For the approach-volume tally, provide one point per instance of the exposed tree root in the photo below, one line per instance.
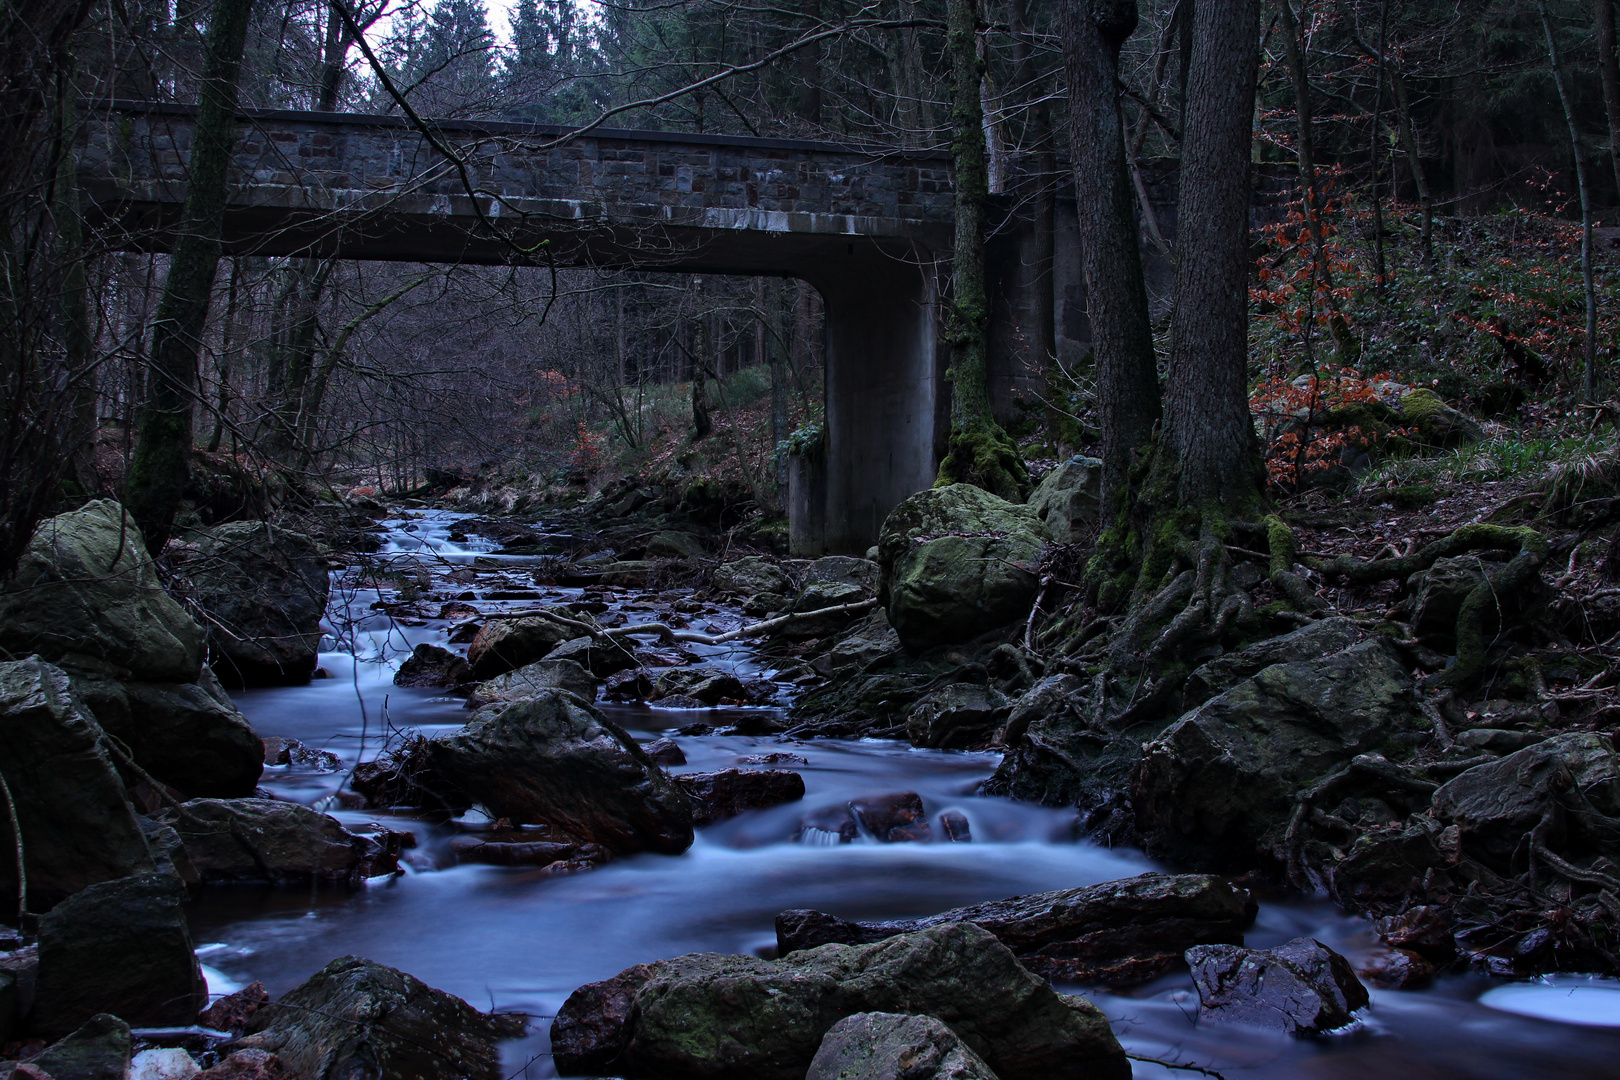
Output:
(666, 632)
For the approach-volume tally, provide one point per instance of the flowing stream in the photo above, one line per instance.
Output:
(519, 940)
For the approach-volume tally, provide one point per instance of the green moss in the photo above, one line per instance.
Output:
(1412, 496)
(985, 457)
(1422, 404)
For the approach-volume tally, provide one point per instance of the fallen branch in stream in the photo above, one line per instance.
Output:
(1185, 1067)
(666, 632)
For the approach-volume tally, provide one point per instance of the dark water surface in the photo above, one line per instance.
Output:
(518, 940)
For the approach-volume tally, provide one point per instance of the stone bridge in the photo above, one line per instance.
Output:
(868, 229)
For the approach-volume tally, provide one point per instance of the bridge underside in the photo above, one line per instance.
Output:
(883, 360)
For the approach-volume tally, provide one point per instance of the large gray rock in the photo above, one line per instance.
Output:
(1066, 499)
(531, 679)
(355, 1018)
(78, 826)
(190, 736)
(956, 716)
(273, 842)
(1438, 592)
(264, 589)
(1116, 932)
(86, 587)
(894, 1046)
(750, 576)
(719, 796)
(1053, 756)
(504, 645)
(1217, 787)
(600, 658)
(1497, 805)
(1307, 643)
(869, 640)
(957, 562)
(554, 760)
(1303, 987)
(722, 1017)
(844, 570)
(119, 947)
(100, 1050)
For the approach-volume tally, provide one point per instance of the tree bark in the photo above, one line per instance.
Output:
(810, 66)
(1210, 431)
(1609, 71)
(1041, 182)
(162, 465)
(979, 453)
(1093, 33)
(1589, 350)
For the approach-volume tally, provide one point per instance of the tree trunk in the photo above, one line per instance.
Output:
(1409, 147)
(78, 339)
(1210, 431)
(810, 66)
(1609, 70)
(1116, 294)
(1310, 189)
(1589, 351)
(979, 452)
(1041, 182)
(227, 340)
(161, 465)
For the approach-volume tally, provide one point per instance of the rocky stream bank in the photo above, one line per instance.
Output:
(631, 687)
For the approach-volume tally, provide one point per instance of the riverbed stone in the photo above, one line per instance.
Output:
(710, 1015)
(434, 667)
(356, 1018)
(119, 947)
(1054, 756)
(751, 575)
(670, 544)
(844, 570)
(100, 1050)
(957, 716)
(264, 589)
(1217, 788)
(602, 658)
(1065, 500)
(1309, 642)
(825, 598)
(504, 645)
(190, 736)
(1498, 804)
(895, 1046)
(1302, 988)
(719, 796)
(77, 823)
(85, 586)
(957, 562)
(866, 642)
(1116, 932)
(530, 679)
(275, 843)
(552, 759)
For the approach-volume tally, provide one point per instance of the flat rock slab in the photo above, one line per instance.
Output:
(719, 796)
(1117, 932)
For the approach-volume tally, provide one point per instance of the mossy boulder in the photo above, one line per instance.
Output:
(270, 842)
(1066, 499)
(881, 1046)
(742, 1018)
(85, 587)
(751, 576)
(504, 645)
(1437, 423)
(958, 716)
(1216, 790)
(531, 679)
(357, 1018)
(957, 562)
(844, 570)
(264, 589)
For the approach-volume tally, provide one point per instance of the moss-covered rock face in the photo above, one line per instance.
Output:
(1066, 500)
(1217, 788)
(1437, 423)
(956, 716)
(877, 1046)
(715, 1016)
(751, 576)
(86, 587)
(957, 561)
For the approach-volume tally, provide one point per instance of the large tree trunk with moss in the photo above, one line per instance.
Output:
(1211, 433)
(979, 452)
(1116, 294)
(162, 461)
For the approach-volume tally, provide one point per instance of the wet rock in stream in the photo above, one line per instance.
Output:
(552, 759)
(433, 667)
(100, 1050)
(530, 679)
(357, 1018)
(1302, 988)
(718, 796)
(1118, 932)
(503, 645)
(276, 843)
(742, 1018)
(665, 752)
